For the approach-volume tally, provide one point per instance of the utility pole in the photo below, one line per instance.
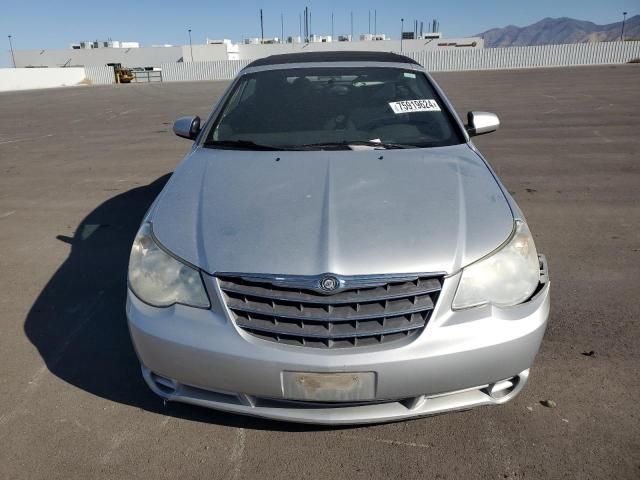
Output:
(190, 46)
(624, 18)
(401, 32)
(261, 28)
(13, 58)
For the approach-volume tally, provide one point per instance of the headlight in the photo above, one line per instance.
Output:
(507, 277)
(161, 280)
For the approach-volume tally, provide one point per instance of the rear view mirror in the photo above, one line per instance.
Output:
(187, 127)
(480, 123)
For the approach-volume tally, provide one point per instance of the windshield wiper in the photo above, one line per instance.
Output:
(347, 143)
(241, 145)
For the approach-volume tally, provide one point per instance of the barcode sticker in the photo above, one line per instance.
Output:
(408, 106)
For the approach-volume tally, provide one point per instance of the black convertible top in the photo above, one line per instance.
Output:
(342, 56)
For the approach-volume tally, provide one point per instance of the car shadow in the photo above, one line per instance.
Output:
(78, 321)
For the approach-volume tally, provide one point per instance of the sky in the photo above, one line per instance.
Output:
(49, 24)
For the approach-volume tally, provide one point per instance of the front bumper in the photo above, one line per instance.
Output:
(461, 360)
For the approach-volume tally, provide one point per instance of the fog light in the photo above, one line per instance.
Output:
(165, 385)
(502, 388)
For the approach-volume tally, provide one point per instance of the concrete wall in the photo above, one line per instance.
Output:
(99, 57)
(205, 53)
(30, 78)
(249, 52)
(155, 56)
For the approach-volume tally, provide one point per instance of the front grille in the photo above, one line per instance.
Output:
(389, 310)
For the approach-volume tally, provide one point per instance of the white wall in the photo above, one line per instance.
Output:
(205, 53)
(29, 78)
(99, 57)
(155, 56)
(250, 52)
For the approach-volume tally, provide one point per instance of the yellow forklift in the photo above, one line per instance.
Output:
(123, 75)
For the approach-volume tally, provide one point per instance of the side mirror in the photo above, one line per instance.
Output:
(479, 123)
(187, 127)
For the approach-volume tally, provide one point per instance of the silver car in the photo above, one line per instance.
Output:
(334, 249)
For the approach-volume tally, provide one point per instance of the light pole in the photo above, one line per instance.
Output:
(624, 18)
(401, 32)
(306, 24)
(190, 46)
(13, 58)
(332, 35)
(352, 26)
(375, 22)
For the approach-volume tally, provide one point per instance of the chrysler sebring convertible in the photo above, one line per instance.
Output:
(334, 249)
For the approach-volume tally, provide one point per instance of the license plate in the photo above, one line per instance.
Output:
(420, 105)
(329, 387)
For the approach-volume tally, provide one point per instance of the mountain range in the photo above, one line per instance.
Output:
(558, 31)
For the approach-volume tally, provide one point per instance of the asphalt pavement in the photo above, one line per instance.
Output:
(80, 166)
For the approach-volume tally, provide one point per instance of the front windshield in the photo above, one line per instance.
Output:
(333, 107)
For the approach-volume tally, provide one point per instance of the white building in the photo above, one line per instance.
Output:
(320, 39)
(130, 54)
(261, 41)
(232, 48)
(370, 37)
(104, 44)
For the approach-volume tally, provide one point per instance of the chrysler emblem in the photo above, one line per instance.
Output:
(329, 283)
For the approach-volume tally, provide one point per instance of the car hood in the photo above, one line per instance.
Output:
(345, 212)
